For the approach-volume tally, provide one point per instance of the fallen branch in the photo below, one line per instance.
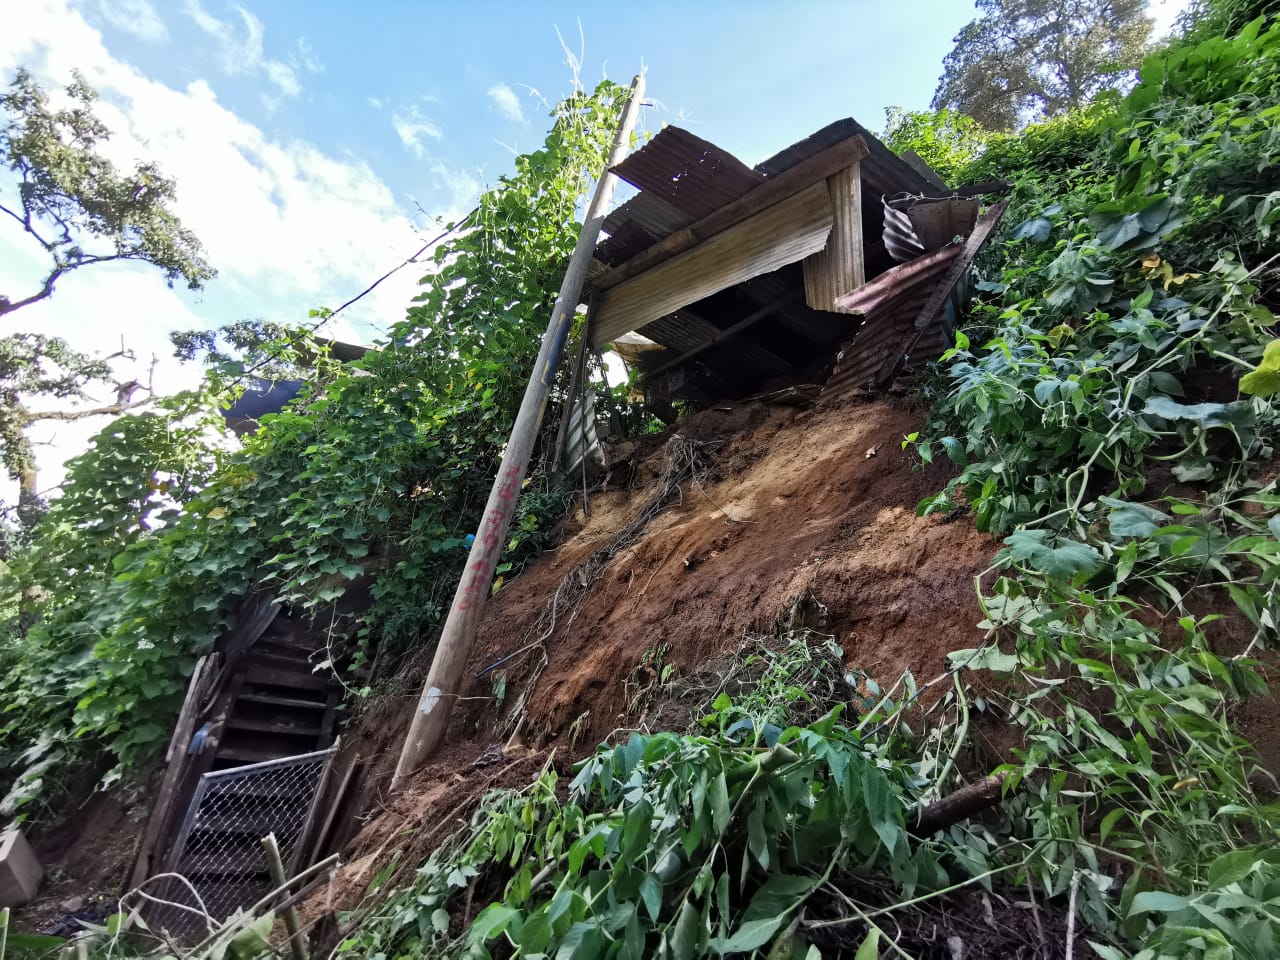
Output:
(959, 806)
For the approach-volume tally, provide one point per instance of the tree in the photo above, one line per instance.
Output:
(74, 202)
(32, 364)
(81, 210)
(1023, 60)
(945, 139)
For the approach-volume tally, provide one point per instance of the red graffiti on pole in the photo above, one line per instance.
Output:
(490, 541)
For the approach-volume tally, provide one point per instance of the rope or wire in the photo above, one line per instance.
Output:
(306, 331)
(413, 259)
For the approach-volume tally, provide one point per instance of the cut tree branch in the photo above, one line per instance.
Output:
(959, 806)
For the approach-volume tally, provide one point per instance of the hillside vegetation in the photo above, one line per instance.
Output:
(1109, 408)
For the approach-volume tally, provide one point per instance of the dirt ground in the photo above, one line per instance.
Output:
(812, 523)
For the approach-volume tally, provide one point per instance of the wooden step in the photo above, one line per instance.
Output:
(254, 789)
(276, 700)
(291, 726)
(285, 651)
(236, 862)
(245, 754)
(277, 677)
(256, 824)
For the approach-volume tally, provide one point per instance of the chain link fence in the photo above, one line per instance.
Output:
(218, 849)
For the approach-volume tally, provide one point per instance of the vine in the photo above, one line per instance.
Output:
(378, 468)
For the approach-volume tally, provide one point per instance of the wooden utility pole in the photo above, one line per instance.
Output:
(444, 681)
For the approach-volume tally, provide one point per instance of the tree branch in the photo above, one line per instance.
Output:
(25, 223)
(54, 276)
(67, 415)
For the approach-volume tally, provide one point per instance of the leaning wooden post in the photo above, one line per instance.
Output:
(275, 866)
(444, 681)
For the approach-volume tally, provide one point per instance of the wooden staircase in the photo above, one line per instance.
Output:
(270, 706)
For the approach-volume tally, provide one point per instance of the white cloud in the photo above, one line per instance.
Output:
(240, 49)
(307, 57)
(375, 103)
(288, 226)
(414, 129)
(506, 102)
(137, 17)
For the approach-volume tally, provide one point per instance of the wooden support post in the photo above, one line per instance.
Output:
(275, 867)
(959, 806)
(175, 760)
(445, 679)
(841, 267)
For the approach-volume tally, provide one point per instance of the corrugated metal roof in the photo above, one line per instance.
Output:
(654, 214)
(914, 227)
(691, 174)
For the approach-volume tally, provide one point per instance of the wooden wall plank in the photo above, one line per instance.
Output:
(841, 267)
(776, 236)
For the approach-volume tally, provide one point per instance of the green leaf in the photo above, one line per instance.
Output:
(719, 797)
(990, 658)
(685, 936)
(752, 935)
(1132, 519)
(779, 895)
(870, 947)
(1232, 867)
(491, 922)
(1207, 415)
(1062, 558)
(1264, 380)
(651, 894)
(1157, 901)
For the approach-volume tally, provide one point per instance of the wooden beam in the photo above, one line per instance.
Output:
(754, 317)
(918, 164)
(841, 266)
(175, 760)
(774, 237)
(785, 185)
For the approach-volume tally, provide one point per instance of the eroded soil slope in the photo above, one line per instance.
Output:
(810, 522)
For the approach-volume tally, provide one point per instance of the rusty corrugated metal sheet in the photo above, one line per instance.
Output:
(654, 214)
(624, 243)
(582, 440)
(891, 284)
(889, 305)
(913, 226)
(693, 175)
(698, 178)
(883, 171)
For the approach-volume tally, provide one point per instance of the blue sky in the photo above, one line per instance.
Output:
(313, 142)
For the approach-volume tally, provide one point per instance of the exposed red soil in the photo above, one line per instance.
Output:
(803, 526)
(821, 535)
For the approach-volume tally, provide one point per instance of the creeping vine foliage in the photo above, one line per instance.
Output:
(1094, 406)
(380, 468)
